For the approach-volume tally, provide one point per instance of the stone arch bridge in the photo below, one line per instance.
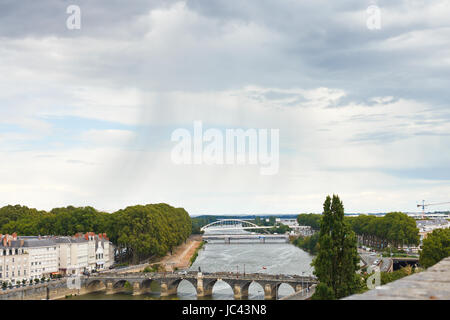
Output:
(203, 283)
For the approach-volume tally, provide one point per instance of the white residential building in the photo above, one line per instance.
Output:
(14, 260)
(34, 257)
(43, 256)
(73, 255)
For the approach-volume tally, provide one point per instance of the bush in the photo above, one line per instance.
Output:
(435, 247)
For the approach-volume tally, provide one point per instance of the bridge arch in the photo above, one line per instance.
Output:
(189, 286)
(96, 285)
(256, 289)
(230, 224)
(226, 285)
(286, 288)
(150, 285)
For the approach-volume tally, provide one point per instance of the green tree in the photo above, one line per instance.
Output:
(435, 247)
(311, 219)
(337, 259)
(323, 292)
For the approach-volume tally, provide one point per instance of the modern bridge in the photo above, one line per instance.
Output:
(232, 225)
(228, 228)
(203, 282)
(263, 238)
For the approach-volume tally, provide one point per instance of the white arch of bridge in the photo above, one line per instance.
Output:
(233, 223)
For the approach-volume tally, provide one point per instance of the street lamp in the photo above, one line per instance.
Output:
(303, 289)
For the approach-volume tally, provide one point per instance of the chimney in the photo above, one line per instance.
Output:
(86, 236)
(4, 241)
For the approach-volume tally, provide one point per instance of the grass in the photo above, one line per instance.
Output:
(194, 256)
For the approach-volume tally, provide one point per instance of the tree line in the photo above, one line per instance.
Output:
(310, 219)
(308, 243)
(139, 232)
(395, 229)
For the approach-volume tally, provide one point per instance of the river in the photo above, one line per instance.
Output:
(272, 258)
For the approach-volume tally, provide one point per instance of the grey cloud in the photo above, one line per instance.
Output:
(314, 44)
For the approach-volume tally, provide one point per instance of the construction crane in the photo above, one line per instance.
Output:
(423, 205)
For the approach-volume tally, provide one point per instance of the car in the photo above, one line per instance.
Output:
(373, 254)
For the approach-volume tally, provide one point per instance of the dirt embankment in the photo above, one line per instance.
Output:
(181, 256)
(180, 259)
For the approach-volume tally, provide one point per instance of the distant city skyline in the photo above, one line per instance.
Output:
(361, 110)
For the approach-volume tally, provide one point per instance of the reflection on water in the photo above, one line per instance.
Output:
(276, 258)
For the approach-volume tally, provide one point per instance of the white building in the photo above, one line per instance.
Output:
(43, 256)
(35, 257)
(14, 260)
(84, 252)
(73, 255)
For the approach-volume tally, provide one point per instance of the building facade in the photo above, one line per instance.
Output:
(34, 257)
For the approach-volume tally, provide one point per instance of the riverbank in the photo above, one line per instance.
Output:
(181, 257)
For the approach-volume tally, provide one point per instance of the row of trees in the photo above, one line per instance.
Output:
(308, 243)
(435, 247)
(310, 219)
(139, 231)
(395, 228)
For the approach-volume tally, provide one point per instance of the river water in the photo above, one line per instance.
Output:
(271, 258)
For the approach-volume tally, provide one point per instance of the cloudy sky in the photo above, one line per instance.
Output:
(86, 115)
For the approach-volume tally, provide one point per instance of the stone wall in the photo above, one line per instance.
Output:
(433, 283)
(55, 289)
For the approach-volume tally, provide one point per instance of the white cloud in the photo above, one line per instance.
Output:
(347, 124)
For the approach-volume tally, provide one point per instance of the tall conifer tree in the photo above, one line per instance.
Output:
(337, 260)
